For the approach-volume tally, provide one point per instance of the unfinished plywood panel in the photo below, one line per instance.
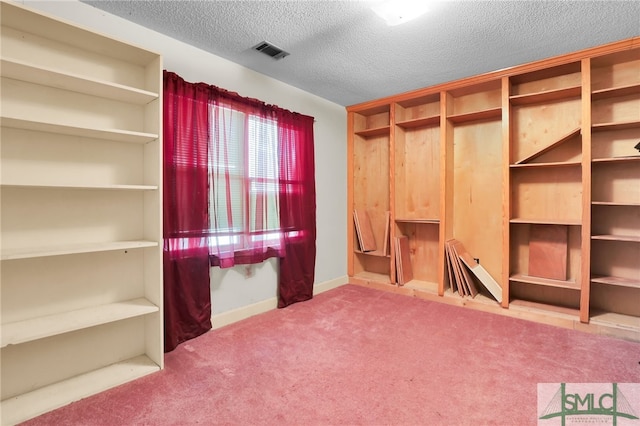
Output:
(423, 243)
(519, 251)
(403, 260)
(616, 299)
(546, 296)
(548, 247)
(417, 173)
(552, 195)
(535, 127)
(608, 144)
(616, 109)
(620, 69)
(476, 195)
(567, 149)
(371, 179)
(546, 81)
(366, 238)
(616, 181)
(616, 220)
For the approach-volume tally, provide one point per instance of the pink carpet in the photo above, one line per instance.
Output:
(357, 356)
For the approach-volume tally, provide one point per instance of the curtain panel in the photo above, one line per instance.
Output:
(187, 298)
(224, 207)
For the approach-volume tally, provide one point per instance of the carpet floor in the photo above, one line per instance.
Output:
(358, 356)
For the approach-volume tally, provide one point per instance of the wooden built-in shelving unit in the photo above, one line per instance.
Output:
(500, 162)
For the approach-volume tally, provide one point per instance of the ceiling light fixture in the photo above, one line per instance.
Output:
(396, 12)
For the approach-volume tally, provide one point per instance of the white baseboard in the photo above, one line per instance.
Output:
(235, 315)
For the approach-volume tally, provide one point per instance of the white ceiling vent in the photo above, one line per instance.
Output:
(271, 50)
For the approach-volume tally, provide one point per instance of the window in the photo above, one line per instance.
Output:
(243, 191)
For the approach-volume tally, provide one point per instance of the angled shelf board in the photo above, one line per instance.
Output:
(81, 209)
(550, 147)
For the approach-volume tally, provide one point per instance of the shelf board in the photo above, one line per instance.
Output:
(20, 408)
(428, 221)
(613, 92)
(422, 286)
(544, 308)
(377, 131)
(614, 203)
(545, 222)
(547, 165)
(372, 276)
(50, 325)
(419, 122)
(575, 132)
(115, 135)
(487, 114)
(615, 320)
(28, 253)
(628, 238)
(615, 281)
(23, 71)
(622, 125)
(377, 253)
(572, 285)
(546, 96)
(625, 159)
(100, 187)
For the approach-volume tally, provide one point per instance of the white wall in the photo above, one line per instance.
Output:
(239, 287)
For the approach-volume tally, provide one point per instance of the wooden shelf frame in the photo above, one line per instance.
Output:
(583, 100)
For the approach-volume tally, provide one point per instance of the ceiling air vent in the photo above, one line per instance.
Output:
(271, 50)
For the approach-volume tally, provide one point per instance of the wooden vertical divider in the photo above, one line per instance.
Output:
(584, 275)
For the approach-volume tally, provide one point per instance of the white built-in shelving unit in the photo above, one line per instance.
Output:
(81, 212)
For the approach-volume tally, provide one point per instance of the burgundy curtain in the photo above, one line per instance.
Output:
(297, 207)
(187, 298)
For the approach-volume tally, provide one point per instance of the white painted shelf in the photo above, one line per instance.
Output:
(80, 186)
(27, 253)
(23, 71)
(115, 135)
(50, 325)
(73, 389)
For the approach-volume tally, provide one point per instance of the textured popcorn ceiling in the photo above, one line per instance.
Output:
(342, 51)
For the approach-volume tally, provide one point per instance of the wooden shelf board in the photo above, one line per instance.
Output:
(50, 325)
(426, 221)
(373, 277)
(544, 308)
(23, 71)
(416, 284)
(377, 253)
(614, 203)
(631, 89)
(603, 127)
(488, 114)
(615, 320)
(572, 285)
(546, 96)
(23, 407)
(33, 252)
(575, 132)
(545, 222)
(378, 131)
(115, 135)
(100, 187)
(615, 281)
(628, 238)
(546, 165)
(419, 122)
(625, 159)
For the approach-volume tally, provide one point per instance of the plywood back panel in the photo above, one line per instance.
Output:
(617, 143)
(616, 299)
(417, 185)
(477, 194)
(423, 244)
(619, 109)
(616, 182)
(535, 127)
(618, 69)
